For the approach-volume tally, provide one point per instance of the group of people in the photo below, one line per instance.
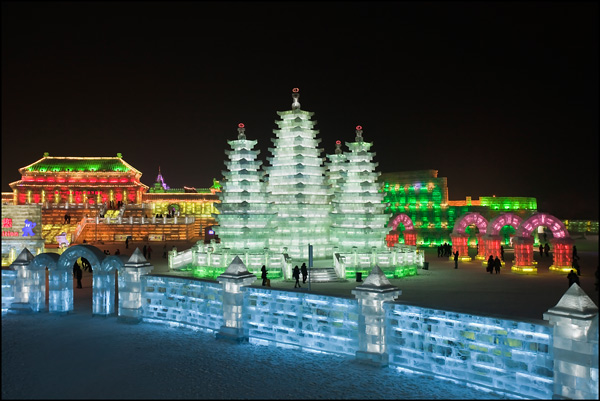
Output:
(544, 250)
(111, 204)
(444, 250)
(67, 218)
(493, 265)
(296, 272)
(147, 251)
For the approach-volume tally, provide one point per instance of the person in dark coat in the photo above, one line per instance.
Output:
(502, 253)
(263, 275)
(573, 278)
(576, 266)
(490, 264)
(546, 249)
(296, 275)
(497, 265)
(456, 260)
(304, 272)
(144, 251)
(541, 250)
(78, 274)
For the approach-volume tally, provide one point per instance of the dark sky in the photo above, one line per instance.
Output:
(499, 97)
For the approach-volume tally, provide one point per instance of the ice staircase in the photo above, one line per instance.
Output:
(323, 275)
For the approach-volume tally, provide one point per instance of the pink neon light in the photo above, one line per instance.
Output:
(241, 125)
(404, 219)
(358, 127)
(295, 90)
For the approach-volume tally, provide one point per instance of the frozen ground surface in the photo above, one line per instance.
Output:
(77, 356)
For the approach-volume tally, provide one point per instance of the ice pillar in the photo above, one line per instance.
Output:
(489, 245)
(410, 237)
(130, 287)
(562, 254)
(233, 279)
(460, 243)
(371, 294)
(575, 345)
(23, 283)
(523, 256)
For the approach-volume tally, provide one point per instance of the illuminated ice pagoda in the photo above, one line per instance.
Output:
(358, 219)
(244, 211)
(297, 186)
(300, 201)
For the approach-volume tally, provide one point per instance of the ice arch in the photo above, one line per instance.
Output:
(490, 242)
(61, 279)
(562, 244)
(409, 233)
(542, 219)
(505, 219)
(460, 238)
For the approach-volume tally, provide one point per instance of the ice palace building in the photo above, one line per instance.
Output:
(301, 208)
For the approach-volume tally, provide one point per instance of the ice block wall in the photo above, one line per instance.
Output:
(505, 355)
(308, 321)
(188, 301)
(9, 277)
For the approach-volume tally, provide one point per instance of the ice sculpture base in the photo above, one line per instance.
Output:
(20, 308)
(129, 319)
(524, 269)
(373, 358)
(561, 269)
(231, 334)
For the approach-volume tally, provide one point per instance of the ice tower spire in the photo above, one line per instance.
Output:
(295, 96)
(241, 129)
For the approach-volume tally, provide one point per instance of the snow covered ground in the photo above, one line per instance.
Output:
(77, 356)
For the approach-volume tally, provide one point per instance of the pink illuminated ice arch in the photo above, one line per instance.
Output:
(542, 219)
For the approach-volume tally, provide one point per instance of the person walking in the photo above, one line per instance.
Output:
(456, 260)
(164, 251)
(575, 256)
(144, 251)
(304, 272)
(149, 252)
(541, 251)
(263, 275)
(77, 273)
(546, 249)
(127, 242)
(576, 266)
(490, 264)
(497, 265)
(502, 253)
(296, 275)
(573, 278)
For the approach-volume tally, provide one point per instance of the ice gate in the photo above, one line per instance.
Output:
(558, 359)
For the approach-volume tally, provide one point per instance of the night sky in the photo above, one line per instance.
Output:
(499, 97)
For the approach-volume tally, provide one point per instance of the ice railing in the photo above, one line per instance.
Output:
(304, 321)
(141, 220)
(182, 301)
(502, 354)
(399, 255)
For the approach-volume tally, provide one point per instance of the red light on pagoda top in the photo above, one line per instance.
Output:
(295, 90)
(241, 125)
(338, 142)
(358, 127)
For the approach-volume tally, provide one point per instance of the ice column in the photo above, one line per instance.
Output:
(371, 295)
(23, 283)
(233, 279)
(130, 287)
(575, 345)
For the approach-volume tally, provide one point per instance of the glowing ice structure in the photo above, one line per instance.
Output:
(358, 219)
(302, 199)
(130, 286)
(575, 342)
(297, 188)
(460, 238)
(490, 242)
(244, 212)
(523, 244)
(409, 233)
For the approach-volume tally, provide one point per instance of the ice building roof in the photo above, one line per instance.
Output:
(236, 269)
(137, 259)
(79, 164)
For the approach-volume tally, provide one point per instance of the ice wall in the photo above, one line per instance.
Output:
(296, 320)
(188, 301)
(506, 355)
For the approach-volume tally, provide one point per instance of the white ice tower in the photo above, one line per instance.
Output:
(244, 208)
(358, 218)
(297, 186)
